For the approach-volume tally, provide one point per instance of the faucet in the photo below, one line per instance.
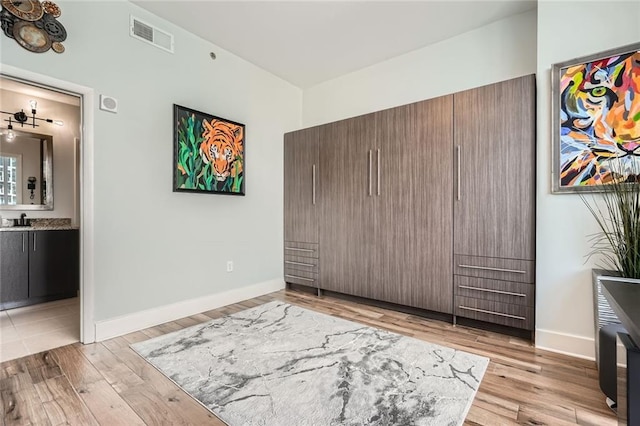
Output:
(22, 221)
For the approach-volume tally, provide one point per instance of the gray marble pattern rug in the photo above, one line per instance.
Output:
(281, 365)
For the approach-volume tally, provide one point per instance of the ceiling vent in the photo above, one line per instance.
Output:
(150, 34)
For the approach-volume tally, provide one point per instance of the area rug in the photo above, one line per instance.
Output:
(279, 364)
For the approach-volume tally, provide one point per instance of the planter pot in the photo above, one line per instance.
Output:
(602, 312)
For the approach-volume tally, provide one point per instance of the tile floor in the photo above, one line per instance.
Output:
(32, 329)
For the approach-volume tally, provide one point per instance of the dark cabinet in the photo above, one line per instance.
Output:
(347, 236)
(494, 209)
(413, 250)
(301, 206)
(301, 185)
(38, 266)
(429, 205)
(496, 163)
(54, 263)
(14, 266)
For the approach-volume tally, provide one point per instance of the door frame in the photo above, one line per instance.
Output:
(87, 232)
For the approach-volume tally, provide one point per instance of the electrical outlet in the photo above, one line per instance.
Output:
(229, 265)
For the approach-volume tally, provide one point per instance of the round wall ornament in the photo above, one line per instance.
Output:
(33, 24)
(27, 10)
(57, 47)
(6, 22)
(31, 37)
(53, 27)
(51, 8)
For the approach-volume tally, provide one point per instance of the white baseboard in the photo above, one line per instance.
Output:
(572, 345)
(568, 344)
(125, 324)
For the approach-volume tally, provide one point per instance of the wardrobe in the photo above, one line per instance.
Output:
(428, 205)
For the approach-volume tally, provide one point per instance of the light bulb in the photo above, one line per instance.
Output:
(33, 104)
(11, 135)
(58, 122)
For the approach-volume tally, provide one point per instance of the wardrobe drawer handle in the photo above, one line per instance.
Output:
(493, 291)
(487, 268)
(299, 263)
(492, 313)
(300, 278)
(299, 249)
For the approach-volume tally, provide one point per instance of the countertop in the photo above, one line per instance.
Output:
(624, 298)
(38, 224)
(37, 228)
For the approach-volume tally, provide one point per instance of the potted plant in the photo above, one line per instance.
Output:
(618, 216)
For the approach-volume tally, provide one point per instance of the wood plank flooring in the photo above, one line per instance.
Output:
(108, 384)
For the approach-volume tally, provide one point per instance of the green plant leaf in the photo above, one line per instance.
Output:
(617, 213)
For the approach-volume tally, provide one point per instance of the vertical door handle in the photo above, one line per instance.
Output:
(34, 242)
(23, 242)
(378, 153)
(370, 173)
(458, 152)
(313, 189)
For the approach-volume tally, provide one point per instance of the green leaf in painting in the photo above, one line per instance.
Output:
(208, 176)
(238, 184)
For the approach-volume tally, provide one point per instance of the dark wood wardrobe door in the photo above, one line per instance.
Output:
(347, 219)
(414, 209)
(495, 133)
(301, 185)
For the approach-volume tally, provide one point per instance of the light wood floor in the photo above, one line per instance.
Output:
(107, 383)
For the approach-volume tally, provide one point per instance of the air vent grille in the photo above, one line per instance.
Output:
(143, 30)
(150, 34)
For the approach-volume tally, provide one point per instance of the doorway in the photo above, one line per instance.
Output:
(48, 313)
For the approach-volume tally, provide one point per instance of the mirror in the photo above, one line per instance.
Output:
(26, 171)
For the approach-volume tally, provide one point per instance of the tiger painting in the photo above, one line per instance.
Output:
(208, 154)
(222, 148)
(600, 121)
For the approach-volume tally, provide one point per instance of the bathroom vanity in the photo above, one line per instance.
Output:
(38, 264)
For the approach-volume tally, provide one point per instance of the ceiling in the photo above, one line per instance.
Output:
(37, 92)
(308, 42)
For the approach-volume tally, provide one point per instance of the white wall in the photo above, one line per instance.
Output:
(154, 247)
(567, 30)
(499, 51)
(64, 176)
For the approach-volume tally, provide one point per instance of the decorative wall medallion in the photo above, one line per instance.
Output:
(33, 24)
(6, 22)
(52, 9)
(27, 10)
(54, 28)
(31, 37)
(57, 47)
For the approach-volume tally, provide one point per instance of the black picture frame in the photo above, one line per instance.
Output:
(208, 153)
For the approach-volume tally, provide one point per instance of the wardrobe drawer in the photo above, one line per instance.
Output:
(300, 268)
(522, 271)
(300, 277)
(517, 316)
(302, 249)
(495, 290)
(299, 262)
